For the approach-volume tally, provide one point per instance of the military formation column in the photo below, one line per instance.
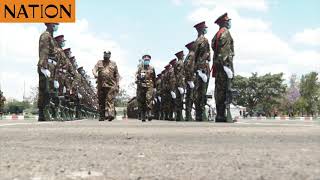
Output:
(65, 91)
(182, 86)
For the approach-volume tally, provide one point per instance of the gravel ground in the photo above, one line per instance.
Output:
(129, 149)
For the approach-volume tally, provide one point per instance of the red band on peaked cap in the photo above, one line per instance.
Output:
(59, 38)
(179, 54)
(201, 25)
(147, 56)
(190, 45)
(173, 61)
(223, 18)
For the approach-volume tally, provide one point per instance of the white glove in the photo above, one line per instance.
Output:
(155, 100)
(56, 84)
(173, 95)
(228, 72)
(64, 90)
(45, 72)
(203, 76)
(79, 95)
(159, 98)
(181, 90)
(191, 84)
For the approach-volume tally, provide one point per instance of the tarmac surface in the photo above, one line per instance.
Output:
(130, 149)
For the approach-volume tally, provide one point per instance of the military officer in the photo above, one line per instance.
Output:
(180, 84)
(106, 71)
(146, 82)
(223, 71)
(189, 79)
(202, 69)
(46, 53)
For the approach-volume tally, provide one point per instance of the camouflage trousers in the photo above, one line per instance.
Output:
(200, 95)
(220, 92)
(44, 94)
(179, 105)
(106, 97)
(189, 103)
(145, 98)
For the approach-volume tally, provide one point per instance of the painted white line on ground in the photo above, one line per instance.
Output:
(276, 124)
(38, 123)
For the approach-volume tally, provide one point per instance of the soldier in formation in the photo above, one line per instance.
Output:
(183, 84)
(60, 83)
(223, 71)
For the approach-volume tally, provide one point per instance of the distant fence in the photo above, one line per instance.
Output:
(18, 117)
(283, 118)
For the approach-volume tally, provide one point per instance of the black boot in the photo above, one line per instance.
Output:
(149, 115)
(41, 116)
(143, 116)
(221, 114)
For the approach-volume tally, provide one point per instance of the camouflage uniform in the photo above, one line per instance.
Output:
(222, 45)
(202, 59)
(189, 80)
(46, 52)
(145, 79)
(180, 85)
(108, 87)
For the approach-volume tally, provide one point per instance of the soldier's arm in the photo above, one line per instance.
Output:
(223, 52)
(116, 74)
(154, 77)
(137, 75)
(95, 71)
(44, 50)
(206, 48)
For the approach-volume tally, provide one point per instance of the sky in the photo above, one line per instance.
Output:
(270, 36)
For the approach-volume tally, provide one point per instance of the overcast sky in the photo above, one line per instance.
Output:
(270, 36)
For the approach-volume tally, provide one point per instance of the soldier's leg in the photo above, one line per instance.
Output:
(109, 104)
(220, 94)
(43, 96)
(149, 105)
(102, 104)
(179, 106)
(203, 101)
(189, 102)
(197, 96)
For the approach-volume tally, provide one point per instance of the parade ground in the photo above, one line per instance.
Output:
(129, 149)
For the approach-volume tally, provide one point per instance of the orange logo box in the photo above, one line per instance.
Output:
(37, 11)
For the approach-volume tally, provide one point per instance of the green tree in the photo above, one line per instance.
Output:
(16, 107)
(260, 94)
(309, 90)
